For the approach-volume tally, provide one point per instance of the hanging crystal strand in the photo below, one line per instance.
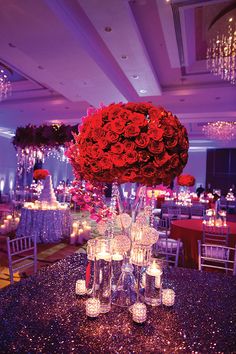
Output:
(115, 202)
(152, 207)
(141, 202)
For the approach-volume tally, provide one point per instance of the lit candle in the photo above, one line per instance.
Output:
(117, 257)
(72, 238)
(92, 307)
(153, 270)
(80, 287)
(139, 312)
(75, 227)
(3, 228)
(168, 297)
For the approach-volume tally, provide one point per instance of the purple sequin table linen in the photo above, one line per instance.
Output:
(49, 226)
(43, 315)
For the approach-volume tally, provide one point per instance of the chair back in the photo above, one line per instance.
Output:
(168, 249)
(174, 213)
(217, 257)
(163, 227)
(218, 235)
(197, 212)
(21, 249)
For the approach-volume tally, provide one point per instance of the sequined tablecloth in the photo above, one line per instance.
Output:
(48, 225)
(42, 315)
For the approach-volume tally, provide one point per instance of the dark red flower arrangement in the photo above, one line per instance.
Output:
(186, 180)
(132, 142)
(53, 136)
(40, 174)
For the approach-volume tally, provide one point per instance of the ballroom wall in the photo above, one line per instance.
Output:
(7, 164)
(196, 166)
(62, 171)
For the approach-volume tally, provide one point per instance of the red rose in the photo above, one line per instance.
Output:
(96, 151)
(156, 147)
(114, 112)
(94, 167)
(117, 148)
(139, 119)
(174, 161)
(148, 170)
(169, 131)
(112, 137)
(105, 163)
(155, 133)
(160, 161)
(143, 156)
(184, 157)
(171, 143)
(102, 143)
(130, 174)
(128, 145)
(142, 140)
(117, 126)
(98, 133)
(131, 130)
(118, 160)
(131, 157)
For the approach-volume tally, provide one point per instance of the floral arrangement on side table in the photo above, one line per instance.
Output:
(40, 174)
(186, 180)
(131, 142)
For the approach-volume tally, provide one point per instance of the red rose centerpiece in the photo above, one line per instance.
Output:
(132, 142)
(186, 180)
(40, 174)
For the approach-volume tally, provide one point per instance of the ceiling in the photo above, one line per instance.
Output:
(68, 55)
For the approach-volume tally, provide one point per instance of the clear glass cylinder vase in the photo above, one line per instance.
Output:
(103, 273)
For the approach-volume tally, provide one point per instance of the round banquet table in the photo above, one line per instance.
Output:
(189, 232)
(49, 226)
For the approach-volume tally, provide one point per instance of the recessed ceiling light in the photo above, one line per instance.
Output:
(143, 91)
(124, 57)
(12, 45)
(135, 77)
(230, 19)
(108, 29)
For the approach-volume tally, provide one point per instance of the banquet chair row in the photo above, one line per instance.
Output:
(217, 257)
(22, 253)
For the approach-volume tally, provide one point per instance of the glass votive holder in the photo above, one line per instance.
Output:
(92, 307)
(91, 249)
(80, 287)
(153, 276)
(168, 297)
(140, 255)
(139, 312)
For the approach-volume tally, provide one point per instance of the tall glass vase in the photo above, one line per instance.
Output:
(102, 273)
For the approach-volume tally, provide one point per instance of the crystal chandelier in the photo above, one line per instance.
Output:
(220, 130)
(221, 52)
(5, 84)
